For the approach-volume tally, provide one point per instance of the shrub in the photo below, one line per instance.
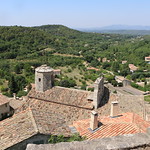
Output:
(120, 84)
(21, 93)
(114, 82)
(91, 89)
(147, 98)
(60, 138)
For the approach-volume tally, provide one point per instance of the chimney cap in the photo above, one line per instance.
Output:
(114, 102)
(94, 112)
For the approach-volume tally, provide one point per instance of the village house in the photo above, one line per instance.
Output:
(57, 72)
(5, 109)
(124, 62)
(48, 110)
(121, 79)
(147, 59)
(132, 68)
(55, 110)
(107, 126)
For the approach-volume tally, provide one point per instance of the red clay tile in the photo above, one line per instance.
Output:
(127, 123)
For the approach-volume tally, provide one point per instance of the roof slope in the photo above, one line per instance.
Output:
(27, 123)
(16, 129)
(3, 99)
(126, 123)
(66, 96)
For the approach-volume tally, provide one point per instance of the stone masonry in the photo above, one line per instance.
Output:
(140, 141)
(43, 78)
(98, 92)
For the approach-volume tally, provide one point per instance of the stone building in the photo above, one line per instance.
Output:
(124, 81)
(44, 78)
(115, 124)
(47, 110)
(132, 68)
(147, 59)
(5, 109)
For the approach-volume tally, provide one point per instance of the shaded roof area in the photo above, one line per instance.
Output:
(30, 122)
(3, 99)
(126, 123)
(66, 96)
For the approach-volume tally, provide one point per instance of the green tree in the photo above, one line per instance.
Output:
(12, 85)
(115, 66)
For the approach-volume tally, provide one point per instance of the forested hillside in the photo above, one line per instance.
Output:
(24, 48)
(16, 42)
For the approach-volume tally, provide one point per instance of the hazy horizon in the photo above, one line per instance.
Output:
(75, 13)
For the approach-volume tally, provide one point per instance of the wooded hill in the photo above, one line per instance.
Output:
(24, 48)
(23, 42)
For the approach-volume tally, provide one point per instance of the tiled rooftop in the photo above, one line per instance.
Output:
(30, 122)
(126, 123)
(66, 96)
(3, 99)
(16, 129)
(69, 113)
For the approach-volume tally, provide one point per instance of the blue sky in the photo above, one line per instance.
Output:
(75, 13)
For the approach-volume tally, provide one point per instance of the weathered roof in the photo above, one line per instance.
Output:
(66, 96)
(16, 129)
(30, 122)
(69, 113)
(15, 104)
(3, 99)
(44, 68)
(126, 123)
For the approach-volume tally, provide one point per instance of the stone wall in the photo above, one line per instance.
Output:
(126, 82)
(127, 103)
(98, 92)
(36, 139)
(138, 141)
(4, 110)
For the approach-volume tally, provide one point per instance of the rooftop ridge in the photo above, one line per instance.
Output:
(42, 99)
(33, 120)
(72, 89)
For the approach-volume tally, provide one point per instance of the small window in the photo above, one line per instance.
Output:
(5, 105)
(39, 79)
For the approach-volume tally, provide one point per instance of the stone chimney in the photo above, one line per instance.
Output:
(94, 120)
(44, 78)
(147, 116)
(114, 109)
(98, 91)
(14, 95)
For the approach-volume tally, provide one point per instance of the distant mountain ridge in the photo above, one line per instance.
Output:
(120, 29)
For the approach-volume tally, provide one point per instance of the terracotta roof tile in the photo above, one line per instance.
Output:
(127, 123)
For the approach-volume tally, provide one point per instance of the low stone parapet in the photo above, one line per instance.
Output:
(139, 141)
